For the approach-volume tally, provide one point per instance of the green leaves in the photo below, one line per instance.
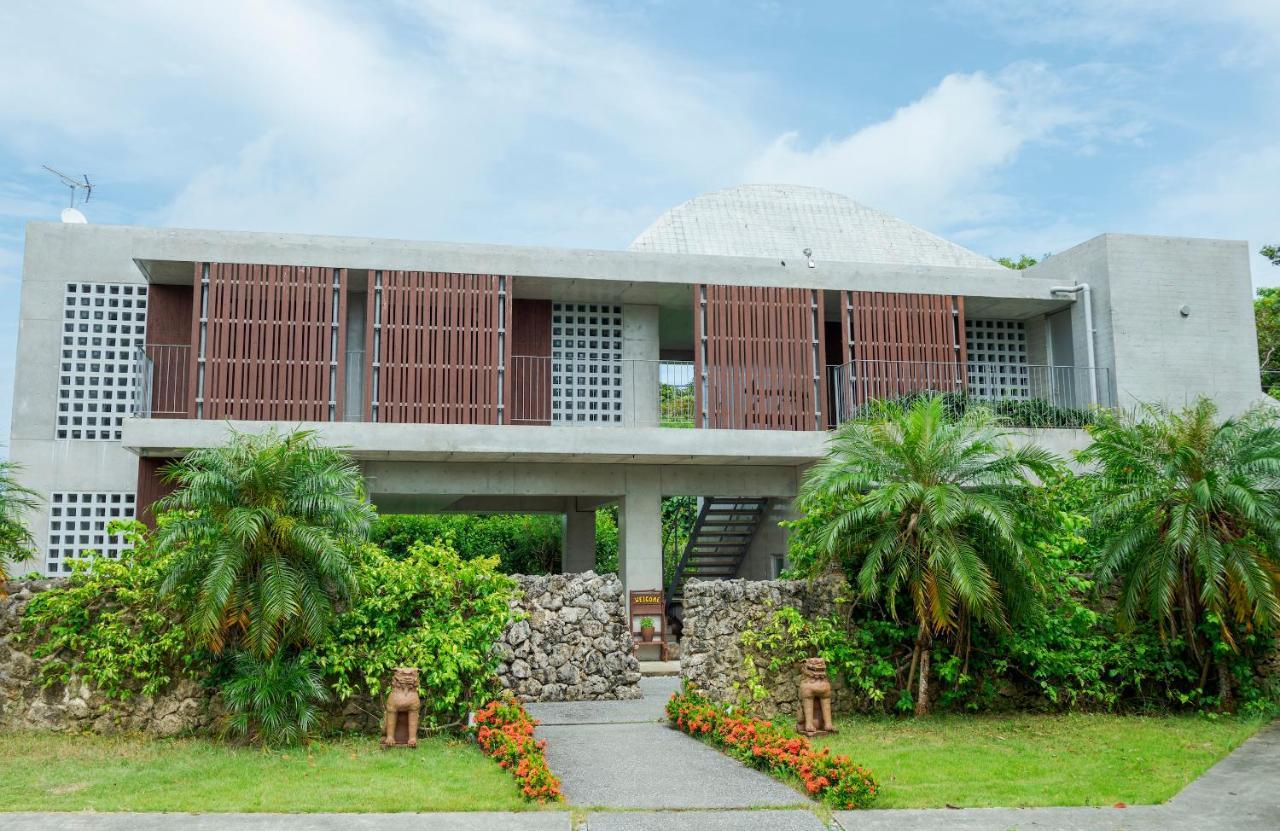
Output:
(16, 542)
(273, 701)
(1189, 517)
(259, 550)
(110, 627)
(916, 500)
(432, 609)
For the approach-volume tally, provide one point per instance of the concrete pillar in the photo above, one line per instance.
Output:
(640, 366)
(640, 530)
(769, 543)
(579, 553)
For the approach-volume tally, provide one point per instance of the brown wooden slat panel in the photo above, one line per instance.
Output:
(150, 488)
(436, 351)
(897, 344)
(756, 346)
(530, 364)
(269, 346)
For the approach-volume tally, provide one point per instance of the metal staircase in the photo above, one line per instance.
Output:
(721, 535)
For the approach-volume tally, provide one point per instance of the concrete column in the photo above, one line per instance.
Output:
(579, 553)
(769, 542)
(640, 530)
(640, 366)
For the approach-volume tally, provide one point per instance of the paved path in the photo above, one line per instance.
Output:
(619, 754)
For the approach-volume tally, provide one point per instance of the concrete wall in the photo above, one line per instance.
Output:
(1139, 285)
(53, 258)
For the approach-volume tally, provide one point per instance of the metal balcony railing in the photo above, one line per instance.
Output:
(161, 386)
(1034, 395)
(665, 393)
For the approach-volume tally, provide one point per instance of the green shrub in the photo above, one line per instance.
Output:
(431, 609)
(260, 532)
(607, 540)
(1067, 653)
(1014, 412)
(523, 543)
(16, 542)
(273, 701)
(109, 625)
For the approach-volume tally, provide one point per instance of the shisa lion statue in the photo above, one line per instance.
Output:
(814, 717)
(403, 698)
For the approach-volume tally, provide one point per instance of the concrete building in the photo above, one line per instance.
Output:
(504, 378)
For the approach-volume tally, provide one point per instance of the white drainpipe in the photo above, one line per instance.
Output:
(1089, 332)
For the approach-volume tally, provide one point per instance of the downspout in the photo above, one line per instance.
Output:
(1090, 334)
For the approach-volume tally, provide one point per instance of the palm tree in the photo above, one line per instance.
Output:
(926, 505)
(260, 538)
(1190, 521)
(16, 542)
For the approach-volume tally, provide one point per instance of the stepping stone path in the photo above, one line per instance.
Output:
(621, 754)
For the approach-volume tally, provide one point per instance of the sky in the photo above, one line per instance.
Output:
(1008, 126)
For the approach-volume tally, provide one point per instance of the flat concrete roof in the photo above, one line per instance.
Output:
(167, 255)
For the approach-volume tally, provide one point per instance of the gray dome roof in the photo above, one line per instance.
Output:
(780, 221)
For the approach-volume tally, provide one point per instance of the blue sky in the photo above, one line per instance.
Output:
(1009, 126)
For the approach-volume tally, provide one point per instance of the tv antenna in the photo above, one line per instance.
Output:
(70, 214)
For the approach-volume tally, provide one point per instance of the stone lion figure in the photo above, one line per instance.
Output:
(403, 698)
(814, 717)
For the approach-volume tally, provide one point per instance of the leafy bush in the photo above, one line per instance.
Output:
(504, 730)
(1014, 412)
(432, 609)
(259, 538)
(607, 540)
(273, 701)
(1067, 653)
(523, 543)
(763, 745)
(861, 655)
(110, 626)
(16, 542)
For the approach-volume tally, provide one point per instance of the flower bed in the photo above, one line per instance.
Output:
(505, 732)
(763, 745)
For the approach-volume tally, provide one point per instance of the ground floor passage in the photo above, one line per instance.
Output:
(739, 534)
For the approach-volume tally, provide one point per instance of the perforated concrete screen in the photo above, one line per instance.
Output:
(78, 523)
(102, 324)
(997, 352)
(586, 363)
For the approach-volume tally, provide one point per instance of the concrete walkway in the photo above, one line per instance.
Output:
(620, 754)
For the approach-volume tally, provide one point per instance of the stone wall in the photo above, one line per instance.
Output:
(573, 643)
(718, 612)
(74, 707)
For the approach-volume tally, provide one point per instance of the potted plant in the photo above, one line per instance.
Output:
(646, 629)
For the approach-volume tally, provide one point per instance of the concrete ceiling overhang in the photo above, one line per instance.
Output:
(162, 438)
(169, 257)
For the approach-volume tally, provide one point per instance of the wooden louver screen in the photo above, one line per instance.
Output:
(895, 344)
(269, 340)
(758, 361)
(437, 344)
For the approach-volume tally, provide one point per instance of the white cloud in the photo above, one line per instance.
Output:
(436, 119)
(1233, 32)
(937, 160)
(1227, 192)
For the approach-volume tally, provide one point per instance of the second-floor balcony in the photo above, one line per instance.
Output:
(543, 391)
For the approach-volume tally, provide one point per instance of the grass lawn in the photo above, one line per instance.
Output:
(1025, 760)
(47, 772)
